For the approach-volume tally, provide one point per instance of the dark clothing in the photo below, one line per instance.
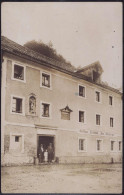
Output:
(41, 154)
(50, 153)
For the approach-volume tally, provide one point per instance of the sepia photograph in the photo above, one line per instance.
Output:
(61, 97)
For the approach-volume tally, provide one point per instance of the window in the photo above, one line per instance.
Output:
(110, 100)
(81, 116)
(112, 145)
(82, 144)
(99, 145)
(97, 96)
(45, 110)
(17, 105)
(16, 138)
(120, 145)
(18, 72)
(16, 143)
(32, 105)
(111, 122)
(81, 91)
(97, 119)
(45, 80)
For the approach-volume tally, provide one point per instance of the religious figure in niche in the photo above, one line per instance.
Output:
(32, 105)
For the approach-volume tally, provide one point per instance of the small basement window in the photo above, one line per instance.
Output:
(18, 72)
(81, 91)
(16, 138)
(16, 105)
(45, 80)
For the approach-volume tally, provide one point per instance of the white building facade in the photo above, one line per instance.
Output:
(45, 101)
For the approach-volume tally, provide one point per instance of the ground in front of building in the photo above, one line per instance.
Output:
(62, 178)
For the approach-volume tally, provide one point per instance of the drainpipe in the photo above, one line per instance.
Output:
(3, 96)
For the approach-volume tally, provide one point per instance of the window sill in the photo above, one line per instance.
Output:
(31, 115)
(45, 87)
(16, 113)
(23, 81)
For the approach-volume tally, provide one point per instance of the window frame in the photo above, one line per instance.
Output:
(82, 138)
(112, 122)
(80, 110)
(115, 149)
(110, 95)
(46, 73)
(50, 110)
(118, 145)
(23, 105)
(100, 96)
(11, 143)
(101, 145)
(12, 75)
(100, 120)
(80, 85)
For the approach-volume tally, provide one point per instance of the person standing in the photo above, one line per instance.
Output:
(41, 153)
(46, 156)
(50, 153)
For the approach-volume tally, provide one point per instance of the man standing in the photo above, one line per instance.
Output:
(41, 153)
(50, 153)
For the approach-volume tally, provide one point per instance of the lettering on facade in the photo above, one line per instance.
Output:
(83, 131)
(94, 132)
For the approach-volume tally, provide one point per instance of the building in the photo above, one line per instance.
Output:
(45, 101)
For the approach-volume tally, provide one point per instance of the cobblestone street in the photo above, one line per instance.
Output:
(61, 178)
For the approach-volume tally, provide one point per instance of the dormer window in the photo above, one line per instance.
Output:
(65, 113)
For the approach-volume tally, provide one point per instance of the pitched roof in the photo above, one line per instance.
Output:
(16, 49)
(95, 64)
(13, 47)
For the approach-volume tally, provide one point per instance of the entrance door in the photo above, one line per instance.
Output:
(45, 141)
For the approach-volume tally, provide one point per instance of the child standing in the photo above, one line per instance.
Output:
(45, 156)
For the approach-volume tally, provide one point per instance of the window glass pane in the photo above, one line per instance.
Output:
(119, 145)
(97, 119)
(112, 145)
(45, 108)
(111, 122)
(81, 144)
(82, 91)
(81, 116)
(45, 80)
(110, 100)
(17, 105)
(97, 96)
(16, 138)
(18, 72)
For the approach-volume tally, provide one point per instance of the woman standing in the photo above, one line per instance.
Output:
(41, 154)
